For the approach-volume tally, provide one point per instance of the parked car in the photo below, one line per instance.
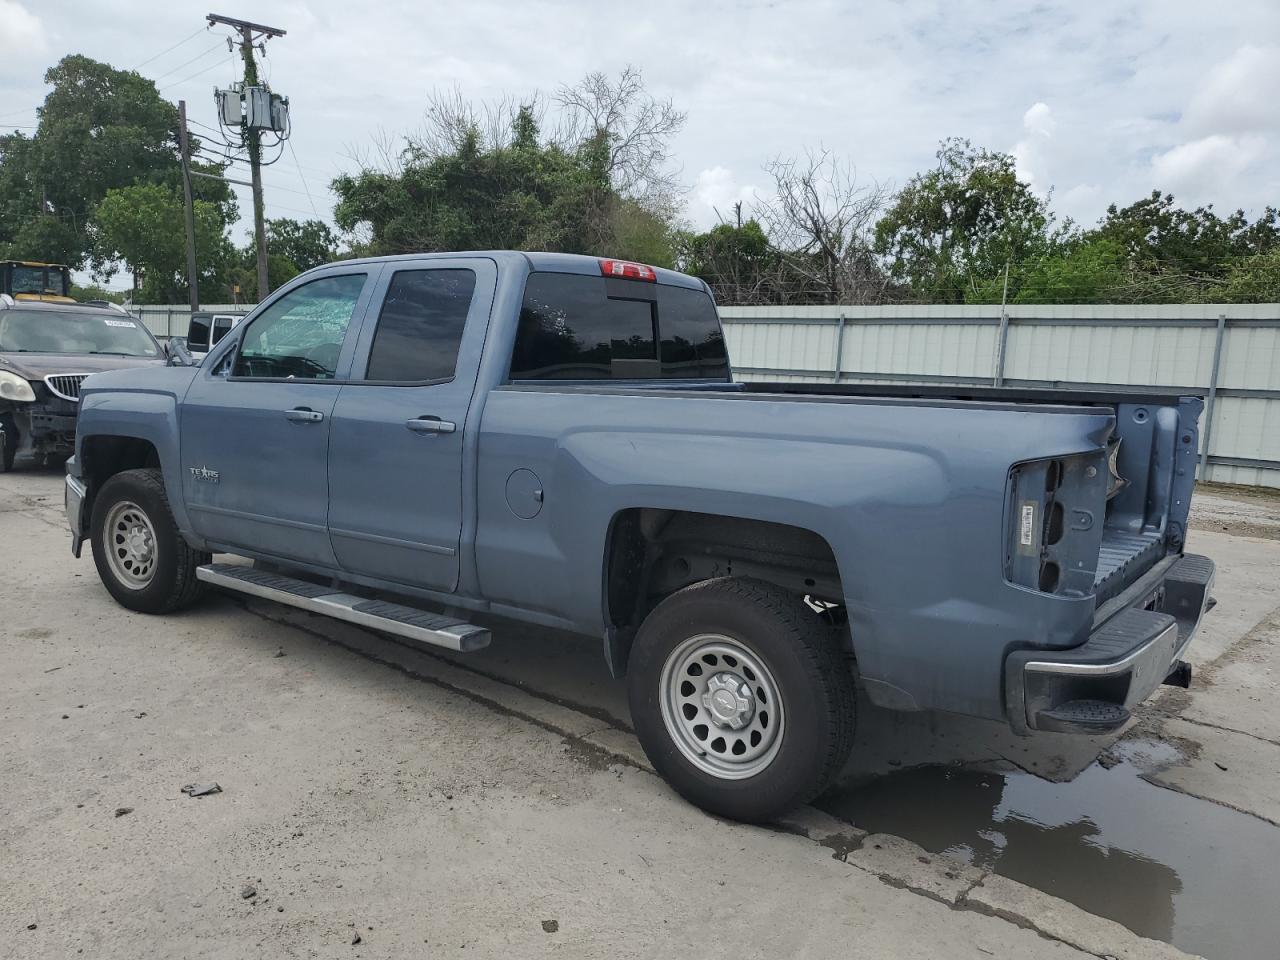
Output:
(46, 351)
(558, 439)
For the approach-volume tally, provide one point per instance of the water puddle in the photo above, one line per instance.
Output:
(1167, 866)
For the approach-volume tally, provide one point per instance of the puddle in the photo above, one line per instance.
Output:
(1165, 865)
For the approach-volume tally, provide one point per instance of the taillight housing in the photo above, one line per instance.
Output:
(1054, 525)
(628, 270)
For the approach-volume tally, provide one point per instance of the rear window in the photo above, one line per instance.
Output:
(576, 327)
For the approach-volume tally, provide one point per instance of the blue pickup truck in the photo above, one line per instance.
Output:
(558, 439)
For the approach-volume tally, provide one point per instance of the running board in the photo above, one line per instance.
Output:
(408, 622)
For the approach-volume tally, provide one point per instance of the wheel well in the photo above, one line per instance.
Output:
(652, 553)
(104, 457)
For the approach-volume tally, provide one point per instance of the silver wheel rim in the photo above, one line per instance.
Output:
(721, 707)
(130, 544)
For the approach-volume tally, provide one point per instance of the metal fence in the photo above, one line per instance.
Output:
(1229, 354)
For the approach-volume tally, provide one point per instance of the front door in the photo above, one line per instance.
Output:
(396, 445)
(255, 426)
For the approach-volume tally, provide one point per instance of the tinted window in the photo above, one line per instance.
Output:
(301, 334)
(692, 344)
(572, 328)
(420, 325)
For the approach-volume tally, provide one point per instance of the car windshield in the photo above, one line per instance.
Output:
(87, 331)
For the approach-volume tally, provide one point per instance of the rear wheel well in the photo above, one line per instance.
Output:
(105, 456)
(652, 553)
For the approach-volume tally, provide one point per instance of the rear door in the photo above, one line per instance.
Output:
(396, 446)
(255, 424)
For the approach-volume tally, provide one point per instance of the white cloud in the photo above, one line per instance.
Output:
(1240, 95)
(1196, 168)
(23, 30)
(1030, 154)
(715, 192)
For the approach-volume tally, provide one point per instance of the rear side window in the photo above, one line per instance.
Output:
(576, 327)
(420, 325)
(692, 344)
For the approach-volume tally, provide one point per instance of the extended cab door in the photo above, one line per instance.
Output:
(255, 425)
(396, 446)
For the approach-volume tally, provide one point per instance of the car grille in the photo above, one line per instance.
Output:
(65, 385)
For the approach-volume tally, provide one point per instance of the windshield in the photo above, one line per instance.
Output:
(99, 331)
(39, 280)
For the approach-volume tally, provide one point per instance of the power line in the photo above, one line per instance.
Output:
(168, 49)
(178, 83)
(187, 63)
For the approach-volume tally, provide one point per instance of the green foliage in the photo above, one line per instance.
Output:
(952, 229)
(143, 226)
(95, 292)
(523, 195)
(305, 245)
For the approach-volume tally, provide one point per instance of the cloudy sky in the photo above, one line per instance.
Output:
(1098, 101)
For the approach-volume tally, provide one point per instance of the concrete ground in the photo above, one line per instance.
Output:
(383, 801)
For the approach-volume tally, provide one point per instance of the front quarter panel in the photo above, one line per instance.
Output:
(141, 404)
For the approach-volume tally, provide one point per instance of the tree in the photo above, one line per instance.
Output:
(307, 244)
(952, 229)
(490, 176)
(821, 221)
(142, 226)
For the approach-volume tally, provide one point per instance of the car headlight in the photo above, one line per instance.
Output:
(14, 387)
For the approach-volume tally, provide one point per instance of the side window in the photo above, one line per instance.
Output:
(692, 344)
(300, 335)
(572, 329)
(420, 326)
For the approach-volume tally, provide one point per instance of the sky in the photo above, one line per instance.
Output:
(1098, 102)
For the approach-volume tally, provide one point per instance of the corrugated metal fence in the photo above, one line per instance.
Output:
(1229, 354)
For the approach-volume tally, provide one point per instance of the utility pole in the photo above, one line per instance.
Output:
(184, 145)
(249, 32)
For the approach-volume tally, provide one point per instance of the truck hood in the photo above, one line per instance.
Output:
(36, 366)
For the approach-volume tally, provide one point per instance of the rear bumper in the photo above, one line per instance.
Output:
(1137, 642)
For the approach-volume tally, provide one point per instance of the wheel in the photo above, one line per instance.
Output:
(141, 558)
(8, 443)
(741, 698)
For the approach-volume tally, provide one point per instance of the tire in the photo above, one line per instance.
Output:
(797, 681)
(154, 569)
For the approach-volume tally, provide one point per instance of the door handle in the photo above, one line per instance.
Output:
(431, 425)
(303, 415)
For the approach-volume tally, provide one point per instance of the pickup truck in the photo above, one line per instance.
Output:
(405, 442)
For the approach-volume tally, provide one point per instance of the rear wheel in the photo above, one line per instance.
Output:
(741, 698)
(141, 557)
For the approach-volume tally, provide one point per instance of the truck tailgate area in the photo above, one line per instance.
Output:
(1123, 558)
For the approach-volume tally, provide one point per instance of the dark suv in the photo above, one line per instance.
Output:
(46, 351)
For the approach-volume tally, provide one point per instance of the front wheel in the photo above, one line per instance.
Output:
(741, 698)
(141, 557)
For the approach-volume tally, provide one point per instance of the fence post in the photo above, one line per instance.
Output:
(1002, 340)
(1213, 396)
(839, 348)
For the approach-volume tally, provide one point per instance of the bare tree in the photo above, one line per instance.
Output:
(821, 222)
(633, 128)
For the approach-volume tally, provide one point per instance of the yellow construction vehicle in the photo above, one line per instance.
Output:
(32, 280)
